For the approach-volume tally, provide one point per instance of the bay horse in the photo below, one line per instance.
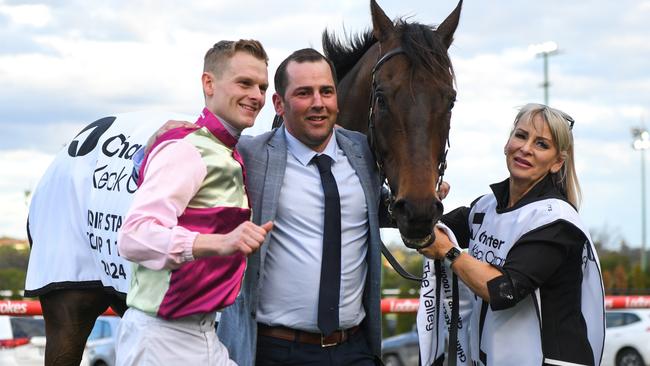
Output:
(396, 85)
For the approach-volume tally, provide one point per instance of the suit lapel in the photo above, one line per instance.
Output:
(276, 149)
(355, 157)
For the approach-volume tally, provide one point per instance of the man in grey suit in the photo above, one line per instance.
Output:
(275, 318)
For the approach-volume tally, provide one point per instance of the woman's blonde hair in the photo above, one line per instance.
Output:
(560, 125)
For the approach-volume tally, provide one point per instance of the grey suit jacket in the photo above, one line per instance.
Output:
(265, 158)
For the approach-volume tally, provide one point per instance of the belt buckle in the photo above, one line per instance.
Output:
(325, 345)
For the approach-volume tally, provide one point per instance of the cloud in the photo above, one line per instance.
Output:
(21, 171)
(33, 15)
(65, 64)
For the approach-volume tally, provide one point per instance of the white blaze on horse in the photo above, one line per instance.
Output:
(395, 84)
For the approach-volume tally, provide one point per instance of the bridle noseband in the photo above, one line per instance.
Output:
(442, 161)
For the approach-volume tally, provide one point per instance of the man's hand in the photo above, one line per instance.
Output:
(169, 125)
(245, 239)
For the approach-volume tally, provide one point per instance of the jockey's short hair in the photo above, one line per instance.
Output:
(216, 56)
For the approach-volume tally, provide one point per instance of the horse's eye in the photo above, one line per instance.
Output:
(381, 101)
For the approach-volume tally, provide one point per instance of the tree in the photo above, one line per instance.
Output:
(620, 279)
(12, 279)
(13, 268)
(638, 280)
(619, 264)
(412, 262)
(10, 257)
(608, 281)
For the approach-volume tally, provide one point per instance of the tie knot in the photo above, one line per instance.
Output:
(323, 162)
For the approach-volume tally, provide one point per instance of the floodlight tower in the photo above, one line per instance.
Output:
(545, 50)
(642, 143)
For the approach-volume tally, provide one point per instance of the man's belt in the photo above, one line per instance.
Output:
(294, 335)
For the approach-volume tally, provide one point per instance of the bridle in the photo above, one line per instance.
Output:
(442, 159)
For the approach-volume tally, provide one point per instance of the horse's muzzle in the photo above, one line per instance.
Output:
(419, 243)
(416, 221)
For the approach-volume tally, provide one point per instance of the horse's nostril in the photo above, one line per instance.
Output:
(404, 208)
(414, 211)
(438, 207)
(411, 210)
(399, 205)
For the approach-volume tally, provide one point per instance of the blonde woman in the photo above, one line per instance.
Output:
(530, 260)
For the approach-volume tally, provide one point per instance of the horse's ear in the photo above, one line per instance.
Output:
(448, 27)
(382, 26)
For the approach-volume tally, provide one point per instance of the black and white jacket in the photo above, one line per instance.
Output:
(548, 306)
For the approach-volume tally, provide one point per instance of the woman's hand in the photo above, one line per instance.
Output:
(471, 271)
(440, 246)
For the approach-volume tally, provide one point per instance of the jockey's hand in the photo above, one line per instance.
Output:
(245, 238)
(169, 125)
(443, 190)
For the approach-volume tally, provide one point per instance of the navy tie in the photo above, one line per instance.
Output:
(330, 273)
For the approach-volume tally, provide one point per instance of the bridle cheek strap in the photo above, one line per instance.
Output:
(372, 140)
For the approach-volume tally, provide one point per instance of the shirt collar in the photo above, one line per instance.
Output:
(304, 153)
(234, 132)
(542, 189)
(217, 127)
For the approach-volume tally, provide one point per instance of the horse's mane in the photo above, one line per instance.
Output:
(420, 43)
(345, 54)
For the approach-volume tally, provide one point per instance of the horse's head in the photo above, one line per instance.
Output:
(396, 84)
(412, 97)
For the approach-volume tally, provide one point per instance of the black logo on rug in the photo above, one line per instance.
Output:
(99, 127)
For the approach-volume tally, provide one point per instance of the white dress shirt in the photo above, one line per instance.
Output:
(290, 276)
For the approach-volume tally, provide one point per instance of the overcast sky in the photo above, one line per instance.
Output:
(64, 64)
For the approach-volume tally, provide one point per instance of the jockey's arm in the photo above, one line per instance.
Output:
(139, 155)
(151, 235)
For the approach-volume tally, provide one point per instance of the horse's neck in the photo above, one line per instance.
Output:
(354, 96)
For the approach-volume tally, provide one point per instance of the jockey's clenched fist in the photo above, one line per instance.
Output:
(246, 238)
